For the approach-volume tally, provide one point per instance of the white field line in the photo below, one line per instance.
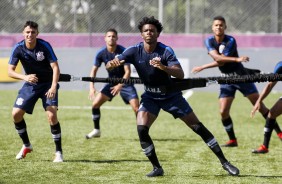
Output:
(186, 95)
(125, 107)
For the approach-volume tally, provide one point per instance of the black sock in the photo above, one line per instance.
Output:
(276, 126)
(96, 114)
(228, 125)
(147, 145)
(209, 139)
(268, 130)
(21, 129)
(56, 134)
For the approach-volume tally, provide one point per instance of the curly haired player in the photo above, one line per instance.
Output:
(155, 64)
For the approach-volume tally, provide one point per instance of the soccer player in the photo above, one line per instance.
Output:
(274, 112)
(109, 91)
(223, 50)
(156, 63)
(41, 81)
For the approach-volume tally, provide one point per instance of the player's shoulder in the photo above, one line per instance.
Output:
(134, 47)
(211, 37)
(165, 47)
(278, 68)
(102, 50)
(18, 46)
(120, 48)
(43, 42)
(162, 45)
(229, 38)
(210, 40)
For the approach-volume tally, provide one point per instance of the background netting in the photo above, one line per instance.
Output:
(178, 16)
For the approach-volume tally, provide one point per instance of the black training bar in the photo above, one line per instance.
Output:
(182, 84)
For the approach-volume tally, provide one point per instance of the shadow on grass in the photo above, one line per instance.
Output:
(102, 161)
(257, 176)
(174, 140)
(250, 176)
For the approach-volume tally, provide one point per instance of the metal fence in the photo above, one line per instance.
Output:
(177, 16)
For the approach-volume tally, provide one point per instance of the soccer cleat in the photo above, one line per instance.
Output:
(156, 172)
(95, 133)
(25, 150)
(231, 143)
(231, 169)
(261, 150)
(58, 157)
(280, 135)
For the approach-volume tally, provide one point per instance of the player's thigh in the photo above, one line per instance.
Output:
(99, 100)
(253, 97)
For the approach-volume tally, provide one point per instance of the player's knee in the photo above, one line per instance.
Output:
(143, 131)
(17, 116)
(145, 140)
(52, 118)
(96, 106)
(272, 114)
(135, 109)
(224, 114)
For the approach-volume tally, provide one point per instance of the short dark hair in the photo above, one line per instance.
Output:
(112, 30)
(150, 20)
(31, 24)
(219, 17)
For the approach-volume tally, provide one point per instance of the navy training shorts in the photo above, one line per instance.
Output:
(30, 93)
(175, 105)
(127, 92)
(229, 90)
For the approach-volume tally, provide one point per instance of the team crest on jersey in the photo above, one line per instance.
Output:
(19, 101)
(40, 56)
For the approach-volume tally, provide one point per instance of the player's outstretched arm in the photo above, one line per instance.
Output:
(114, 63)
(197, 69)
(221, 58)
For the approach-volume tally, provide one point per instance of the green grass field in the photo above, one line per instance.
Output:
(116, 157)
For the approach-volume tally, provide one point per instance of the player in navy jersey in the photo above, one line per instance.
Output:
(274, 112)
(109, 91)
(41, 81)
(223, 50)
(156, 63)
